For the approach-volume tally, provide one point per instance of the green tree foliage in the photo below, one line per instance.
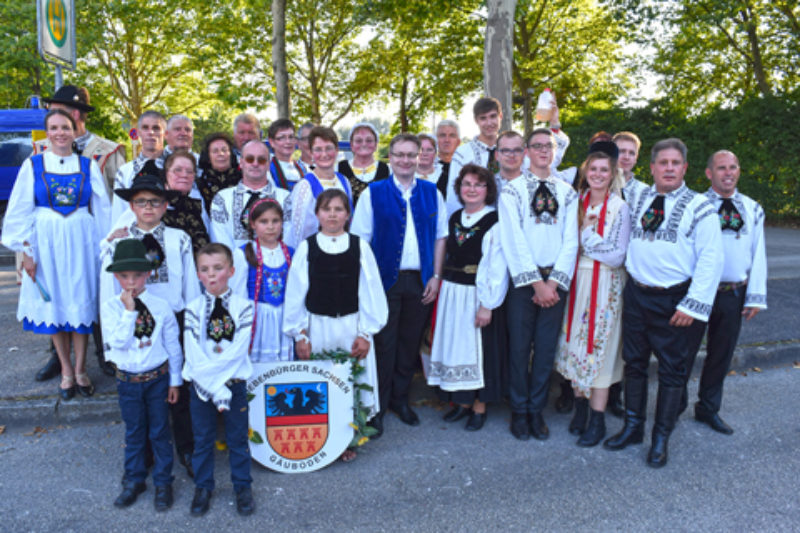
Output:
(22, 71)
(571, 46)
(762, 132)
(712, 52)
(434, 53)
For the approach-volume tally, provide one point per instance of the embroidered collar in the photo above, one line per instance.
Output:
(158, 231)
(241, 188)
(482, 145)
(712, 194)
(226, 300)
(83, 140)
(673, 195)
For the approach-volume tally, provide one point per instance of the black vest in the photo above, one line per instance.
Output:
(333, 279)
(464, 248)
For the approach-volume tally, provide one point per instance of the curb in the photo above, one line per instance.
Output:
(104, 407)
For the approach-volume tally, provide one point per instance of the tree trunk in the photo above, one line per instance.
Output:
(279, 70)
(498, 55)
(755, 51)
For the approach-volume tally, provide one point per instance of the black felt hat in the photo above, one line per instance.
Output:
(607, 147)
(69, 95)
(149, 183)
(130, 255)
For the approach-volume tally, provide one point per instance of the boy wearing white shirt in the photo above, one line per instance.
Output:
(539, 236)
(218, 365)
(141, 339)
(742, 291)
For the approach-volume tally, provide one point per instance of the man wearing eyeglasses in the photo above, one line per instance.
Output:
(539, 237)
(405, 221)
(284, 172)
(305, 149)
(510, 156)
(230, 207)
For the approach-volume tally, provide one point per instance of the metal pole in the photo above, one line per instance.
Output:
(59, 78)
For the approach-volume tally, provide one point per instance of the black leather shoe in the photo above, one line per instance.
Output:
(406, 415)
(519, 426)
(200, 502)
(245, 505)
(657, 457)
(85, 390)
(163, 499)
(51, 369)
(565, 401)
(537, 427)
(578, 423)
(377, 424)
(632, 433)
(457, 413)
(129, 493)
(475, 422)
(714, 421)
(67, 394)
(186, 460)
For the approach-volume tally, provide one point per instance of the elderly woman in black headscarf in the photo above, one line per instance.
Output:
(219, 166)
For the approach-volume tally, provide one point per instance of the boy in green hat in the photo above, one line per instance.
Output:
(141, 339)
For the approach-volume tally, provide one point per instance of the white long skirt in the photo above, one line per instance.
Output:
(604, 365)
(269, 343)
(457, 351)
(67, 268)
(328, 333)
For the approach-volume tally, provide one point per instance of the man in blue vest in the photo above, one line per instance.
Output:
(405, 221)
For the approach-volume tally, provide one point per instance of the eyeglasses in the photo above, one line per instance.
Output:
(404, 155)
(152, 202)
(478, 185)
(511, 151)
(541, 146)
(250, 159)
(223, 150)
(287, 137)
(428, 150)
(323, 150)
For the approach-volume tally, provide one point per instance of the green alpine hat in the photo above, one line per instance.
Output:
(130, 255)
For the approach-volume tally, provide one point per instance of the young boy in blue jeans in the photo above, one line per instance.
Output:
(141, 339)
(216, 341)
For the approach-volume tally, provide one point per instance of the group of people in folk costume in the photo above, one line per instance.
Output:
(238, 255)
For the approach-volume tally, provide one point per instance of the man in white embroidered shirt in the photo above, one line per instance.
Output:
(539, 236)
(742, 290)
(674, 268)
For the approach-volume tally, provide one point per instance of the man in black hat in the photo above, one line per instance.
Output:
(109, 156)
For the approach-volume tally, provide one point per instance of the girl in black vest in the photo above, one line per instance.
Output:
(334, 295)
(469, 338)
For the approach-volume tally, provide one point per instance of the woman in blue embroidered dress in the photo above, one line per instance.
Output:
(267, 255)
(57, 213)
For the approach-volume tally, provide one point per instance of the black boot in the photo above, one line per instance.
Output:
(578, 423)
(51, 368)
(615, 406)
(595, 431)
(565, 400)
(635, 409)
(669, 401)
(104, 365)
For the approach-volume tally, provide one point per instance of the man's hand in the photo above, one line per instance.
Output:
(173, 394)
(680, 320)
(360, 348)
(302, 349)
(545, 293)
(431, 290)
(483, 317)
(750, 312)
(29, 266)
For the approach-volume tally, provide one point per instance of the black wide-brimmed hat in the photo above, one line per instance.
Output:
(130, 255)
(69, 95)
(149, 183)
(607, 147)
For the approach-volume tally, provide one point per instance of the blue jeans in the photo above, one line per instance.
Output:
(145, 412)
(204, 426)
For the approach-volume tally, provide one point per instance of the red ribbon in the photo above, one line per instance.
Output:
(595, 276)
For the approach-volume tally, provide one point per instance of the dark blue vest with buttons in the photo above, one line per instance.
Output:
(389, 227)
